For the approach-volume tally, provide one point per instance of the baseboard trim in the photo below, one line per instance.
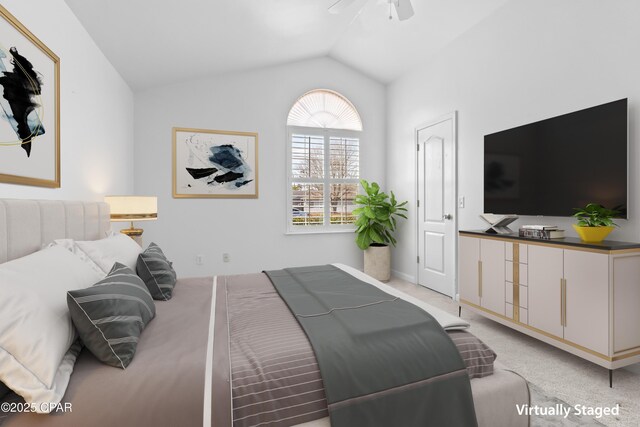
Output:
(403, 276)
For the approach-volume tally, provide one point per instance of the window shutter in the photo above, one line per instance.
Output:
(345, 158)
(307, 204)
(307, 156)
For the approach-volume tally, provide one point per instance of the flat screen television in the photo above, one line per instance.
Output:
(554, 165)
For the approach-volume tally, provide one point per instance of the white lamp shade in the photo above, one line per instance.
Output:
(133, 208)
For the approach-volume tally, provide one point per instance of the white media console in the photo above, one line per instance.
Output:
(581, 297)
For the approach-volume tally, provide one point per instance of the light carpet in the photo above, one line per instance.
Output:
(541, 399)
(555, 374)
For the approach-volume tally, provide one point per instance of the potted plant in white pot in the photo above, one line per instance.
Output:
(375, 223)
(595, 222)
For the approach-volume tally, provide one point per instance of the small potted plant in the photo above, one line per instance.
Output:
(375, 223)
(595, 222)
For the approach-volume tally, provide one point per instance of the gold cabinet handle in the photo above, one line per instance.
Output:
(562, 302)
(565, 303)
(480, 279)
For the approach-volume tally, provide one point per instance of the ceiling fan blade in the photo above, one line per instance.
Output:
(339, 6)
(403, 9)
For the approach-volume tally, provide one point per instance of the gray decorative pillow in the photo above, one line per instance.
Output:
(157, 272)
(111, 315)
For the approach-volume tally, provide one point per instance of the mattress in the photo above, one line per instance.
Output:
(172, 379)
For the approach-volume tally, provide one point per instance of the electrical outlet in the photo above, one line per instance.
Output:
(199, 259)
(226, 257)
(461, 202)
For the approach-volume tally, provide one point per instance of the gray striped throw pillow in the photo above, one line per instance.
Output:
(157, 272)
(111, 315)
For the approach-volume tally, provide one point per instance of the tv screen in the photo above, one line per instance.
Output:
(552, 166)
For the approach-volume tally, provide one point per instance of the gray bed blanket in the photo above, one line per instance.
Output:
(383, 361)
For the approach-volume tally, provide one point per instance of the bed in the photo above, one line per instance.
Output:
(174, 378)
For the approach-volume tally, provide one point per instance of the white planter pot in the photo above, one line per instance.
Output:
(377, 262)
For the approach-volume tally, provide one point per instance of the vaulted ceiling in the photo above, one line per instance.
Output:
(155, 42)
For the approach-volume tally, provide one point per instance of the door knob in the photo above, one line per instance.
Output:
(447, 216)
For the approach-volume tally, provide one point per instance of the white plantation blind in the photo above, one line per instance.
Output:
(342, 203)
(307, 156)
(345, 157)
(307, 204)
(323, 179)
(324, 109)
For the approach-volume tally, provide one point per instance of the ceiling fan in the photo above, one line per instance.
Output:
(404, 9)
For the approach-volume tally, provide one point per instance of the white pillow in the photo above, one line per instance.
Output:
(70, 245)
(36, 332)
(106, 252)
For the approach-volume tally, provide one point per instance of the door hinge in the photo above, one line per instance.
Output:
(418, 259)
(418, 204)
(418, 146)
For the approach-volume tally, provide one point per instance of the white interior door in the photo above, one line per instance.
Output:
(436, 201)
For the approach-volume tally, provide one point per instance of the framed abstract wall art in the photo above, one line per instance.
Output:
(29, 107)
(214, 163)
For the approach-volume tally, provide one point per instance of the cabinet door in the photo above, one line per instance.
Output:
(626, 300)
(492, 293)
(545, 289)
(587, 300)
(468, 259)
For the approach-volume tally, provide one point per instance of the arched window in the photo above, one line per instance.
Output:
(323, 162)
(324, 109)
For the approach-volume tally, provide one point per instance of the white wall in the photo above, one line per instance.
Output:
(529, 61)
(252, 231)
(96, 109)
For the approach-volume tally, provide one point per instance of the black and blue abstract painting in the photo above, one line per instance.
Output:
(29, 107)
(216, 164)
(21, 87)
(227, 160)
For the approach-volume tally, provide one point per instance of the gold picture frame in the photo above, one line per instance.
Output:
(32, 111)
(214, 164)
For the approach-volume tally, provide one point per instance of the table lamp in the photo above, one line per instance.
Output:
(133, 208)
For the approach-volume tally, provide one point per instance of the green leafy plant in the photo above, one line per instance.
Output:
(376, 216)
(595, 215)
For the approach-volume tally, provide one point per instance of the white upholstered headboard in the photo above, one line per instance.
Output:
(25, 225)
